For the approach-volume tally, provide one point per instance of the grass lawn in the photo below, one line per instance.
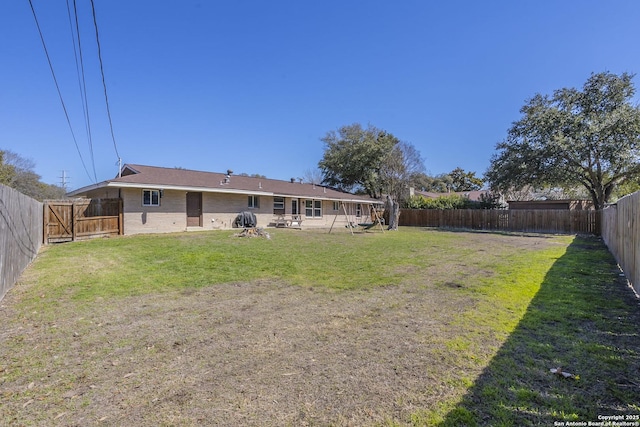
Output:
(416, 327)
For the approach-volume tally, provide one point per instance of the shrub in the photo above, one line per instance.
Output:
(454, 201)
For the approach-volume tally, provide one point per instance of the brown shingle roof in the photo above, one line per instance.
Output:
(156, 177)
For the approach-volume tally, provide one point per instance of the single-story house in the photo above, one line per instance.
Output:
(565, 204)
(158, 200)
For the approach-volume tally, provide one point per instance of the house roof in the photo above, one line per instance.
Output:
(152, 177)
(574, 204)
(550, 201)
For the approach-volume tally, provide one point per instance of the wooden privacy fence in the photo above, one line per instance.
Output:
(534, 220)
(621, 233)
(71, 220)
(20, 235)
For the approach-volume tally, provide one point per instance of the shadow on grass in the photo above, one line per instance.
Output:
(583, 319)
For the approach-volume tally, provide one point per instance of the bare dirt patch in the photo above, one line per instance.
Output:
(262, 353)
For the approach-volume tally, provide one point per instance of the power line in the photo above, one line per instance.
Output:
(55, 80)
(104, 84)
(77, 52)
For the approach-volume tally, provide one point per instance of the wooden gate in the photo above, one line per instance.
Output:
(71, 220)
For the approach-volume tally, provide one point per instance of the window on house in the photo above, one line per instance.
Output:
(313, 208)
(336, 206)
(278, 203)
(358, 209)
(254, 202)
(150, 197)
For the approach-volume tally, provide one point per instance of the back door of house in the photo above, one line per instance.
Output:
(194, 209)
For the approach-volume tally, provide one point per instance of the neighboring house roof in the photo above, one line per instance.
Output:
(474, 196)
(570, 204)
(152, 177)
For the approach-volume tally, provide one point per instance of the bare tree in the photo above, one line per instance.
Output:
(399, 166)
(313, 176)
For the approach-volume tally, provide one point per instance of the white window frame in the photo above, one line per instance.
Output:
(314, 207)
(151, 194)
(253, 202)
(278, 204)
(336, 206)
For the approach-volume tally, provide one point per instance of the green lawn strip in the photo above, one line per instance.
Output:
(143, 264)
(582, 320)
(500, 302)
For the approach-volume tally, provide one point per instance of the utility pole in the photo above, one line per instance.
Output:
(64, 180)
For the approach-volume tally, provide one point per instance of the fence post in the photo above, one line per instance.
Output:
(120, 217)
(73, 221)
(45, 223)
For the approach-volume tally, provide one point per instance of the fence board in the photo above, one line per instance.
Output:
(621, 234)
(20, 235)
(534, 220)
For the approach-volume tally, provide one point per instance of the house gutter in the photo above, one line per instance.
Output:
(332, 199)
(186, 188)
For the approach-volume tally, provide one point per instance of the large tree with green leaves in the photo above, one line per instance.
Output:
(462, 180)
(588, 138)
(353, 158)
(372, 161)
(438, 184)
(458, 180)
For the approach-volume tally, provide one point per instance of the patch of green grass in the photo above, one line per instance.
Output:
(579, 318)
(143, 264)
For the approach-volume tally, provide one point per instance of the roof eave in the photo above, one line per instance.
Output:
(187, 188)
(87, 188)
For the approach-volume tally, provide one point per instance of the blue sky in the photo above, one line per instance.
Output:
(253, 86)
